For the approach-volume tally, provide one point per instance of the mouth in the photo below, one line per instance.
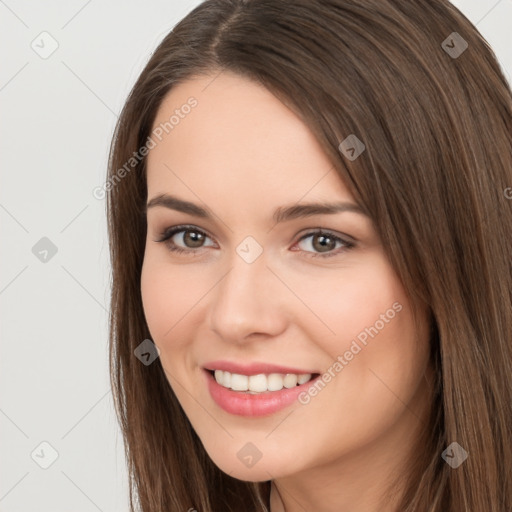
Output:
(256, 395)
(260, 383)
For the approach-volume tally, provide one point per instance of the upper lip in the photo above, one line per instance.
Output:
(253, 368)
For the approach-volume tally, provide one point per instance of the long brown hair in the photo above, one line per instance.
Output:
(435, 114)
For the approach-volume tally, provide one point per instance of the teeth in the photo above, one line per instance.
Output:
(258, 383)
(239, 382)
(303, 378)
(261, 382)
(290, 380)
(226, 379)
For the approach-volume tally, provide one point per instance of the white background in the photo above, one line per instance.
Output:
(57, 118)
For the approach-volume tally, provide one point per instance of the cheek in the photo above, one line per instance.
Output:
(364, 317)
(383, 354)
(174, 298)
(165, 297)
(343, 302)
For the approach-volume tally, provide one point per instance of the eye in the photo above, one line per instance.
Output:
(324, 242)
(190, 237)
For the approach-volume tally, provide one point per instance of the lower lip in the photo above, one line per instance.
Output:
(246, 404)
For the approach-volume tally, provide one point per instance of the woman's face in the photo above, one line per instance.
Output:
(258, 290)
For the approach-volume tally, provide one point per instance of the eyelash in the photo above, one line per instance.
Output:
(170, 232)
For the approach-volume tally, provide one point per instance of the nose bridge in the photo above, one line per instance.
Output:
(247, 299)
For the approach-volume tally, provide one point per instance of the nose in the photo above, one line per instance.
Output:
(248, 303)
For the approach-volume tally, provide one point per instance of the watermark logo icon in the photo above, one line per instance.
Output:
(44, 250)
(44, 45)
(351, 147)
(249, 249)
(454, 45)
(454, 455)
(249, 454)
(44, 455)
(146, 352)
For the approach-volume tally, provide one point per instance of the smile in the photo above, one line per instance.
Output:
(260, 383)
(258, 394)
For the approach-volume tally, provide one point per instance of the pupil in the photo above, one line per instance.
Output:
(194, 237)
(322, 244)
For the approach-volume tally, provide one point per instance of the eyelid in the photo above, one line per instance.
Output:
(318, 230)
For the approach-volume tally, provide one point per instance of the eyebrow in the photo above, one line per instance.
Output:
(281, 214)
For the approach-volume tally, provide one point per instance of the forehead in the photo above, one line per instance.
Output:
(224, 134)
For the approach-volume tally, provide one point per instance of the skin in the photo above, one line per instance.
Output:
(242, 153)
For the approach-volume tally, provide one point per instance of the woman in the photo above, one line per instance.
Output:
(310, 238)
